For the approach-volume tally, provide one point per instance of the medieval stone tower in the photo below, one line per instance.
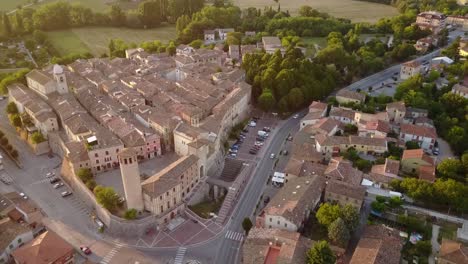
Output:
(60, 79)
(131, 179)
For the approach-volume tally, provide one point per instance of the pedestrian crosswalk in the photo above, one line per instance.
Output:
(234, 235)
(111, 254)
(180, 255)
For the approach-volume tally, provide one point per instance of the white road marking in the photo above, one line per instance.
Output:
(180, 255)
(234, 235)
(107, 258)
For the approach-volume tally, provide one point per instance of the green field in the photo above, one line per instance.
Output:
(95, 5)
(96, 39)
(357, 11)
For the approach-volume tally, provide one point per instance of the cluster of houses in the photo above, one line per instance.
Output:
(101, 112)
(316, 172)
(23, 238)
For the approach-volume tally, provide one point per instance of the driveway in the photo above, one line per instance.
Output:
(444, 150)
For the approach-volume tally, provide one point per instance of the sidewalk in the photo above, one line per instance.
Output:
(434, 243)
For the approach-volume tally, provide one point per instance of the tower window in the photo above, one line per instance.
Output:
(130, 160)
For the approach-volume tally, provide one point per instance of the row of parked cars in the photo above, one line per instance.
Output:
(57, 183)
(262, 135)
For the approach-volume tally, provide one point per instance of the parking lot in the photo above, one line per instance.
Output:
(250, 144)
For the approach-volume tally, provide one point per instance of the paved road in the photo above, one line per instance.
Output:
(229, 249)
(435, 243)
(388, 73)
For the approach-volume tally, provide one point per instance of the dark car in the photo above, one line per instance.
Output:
(267, 199)
(253, 152)
(245, 130)
(54, 180)
(85, 250)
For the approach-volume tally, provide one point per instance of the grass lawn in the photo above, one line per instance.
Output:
(95, 5)
(357, 11)
(96, 39)
(448, 231)
(204, 208)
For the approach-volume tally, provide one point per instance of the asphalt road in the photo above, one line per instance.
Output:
(388, 73)
(229, 249)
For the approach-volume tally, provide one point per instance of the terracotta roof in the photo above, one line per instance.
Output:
(9, 230)
(367, 141)
(44, 249)
(400, 106)
(317, 106)
(427, 173)
(169, 177)
(378, 245)
(460, 88)
(274, 246)
(422, 131)
(341, 112)
(351, 94)
(453, 251)
(297, 195)
(342, 188)
(412, 64)
(417, 154)
(342, 170)
(39, 77)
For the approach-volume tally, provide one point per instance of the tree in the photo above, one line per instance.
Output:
(350, 216)
(130, 214)
(247, 225)
(117, 16)
(85, 174)
(338, 232)
(15, 120)
(11, 108)
(412, 145)
(450, 168)
(6, 25)
(320, 253)
(91, 184)
(30, 44)
(327, 213)
(171, 49)
(295, 98)
(37, 137)
(3, 141)
(149, 13)
(106, 196)
(266, 100)
(14, 153)
(39, 36)
(19, 22)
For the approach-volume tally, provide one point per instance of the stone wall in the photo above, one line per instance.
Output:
(200, 195)
(114, 225)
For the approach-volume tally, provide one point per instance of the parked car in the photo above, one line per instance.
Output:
(66, 193)
(266, 200)
(285, 152)
(54, 180)
(50, 174)
(435, 151)
(233, 151)
(290, 138)
(253, 152)
(252, 124)
(296, 116)
(233, 155)
(245, 130)
(85, 250)
(24, 196)
(58, 185)
(267, 129)
(272, 155)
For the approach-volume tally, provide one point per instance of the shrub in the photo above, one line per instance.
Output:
(37, 137)
(130, 214)
(85, 175)
(91, 184)
(3, 141)
(11, 108)
(15, 120)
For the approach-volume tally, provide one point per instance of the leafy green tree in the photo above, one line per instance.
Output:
(350, 216)
(295, 98)
(338, 233)
(11, 108)
(196, 44)
(130, 214)
(247, 225)
(85, 174)
(412, 145)
(37, 137)
(456, 135)
(395, 202)
(182, 23)
(150, 13)
(30, 44)
(117, 16)
(266, 100)
(91, 184)
(327, 213)
(320, 253)
(451, 168)
(378, 206)
(464, 161)
(106, 196)
(15, 120)
(6, 25)
(171, 49)
(39, 36)
(423, 248)
(19, 22)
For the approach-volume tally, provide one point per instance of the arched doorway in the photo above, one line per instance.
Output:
(172, 215)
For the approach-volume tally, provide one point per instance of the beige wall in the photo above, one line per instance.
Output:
(279, 222)
(345, 100)
(106, 158)
(41, 89)
(173, 198)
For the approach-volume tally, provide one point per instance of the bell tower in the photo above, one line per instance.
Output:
(60, 79)
(131, 179)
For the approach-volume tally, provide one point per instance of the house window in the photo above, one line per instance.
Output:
(162, 208)
(96, 155)
(160, 197)
(107, 152)
(167, 193)
(20, 240)
(285, 225)
(279, 222)
(97, 161)
(173, 189)
(271, 219)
